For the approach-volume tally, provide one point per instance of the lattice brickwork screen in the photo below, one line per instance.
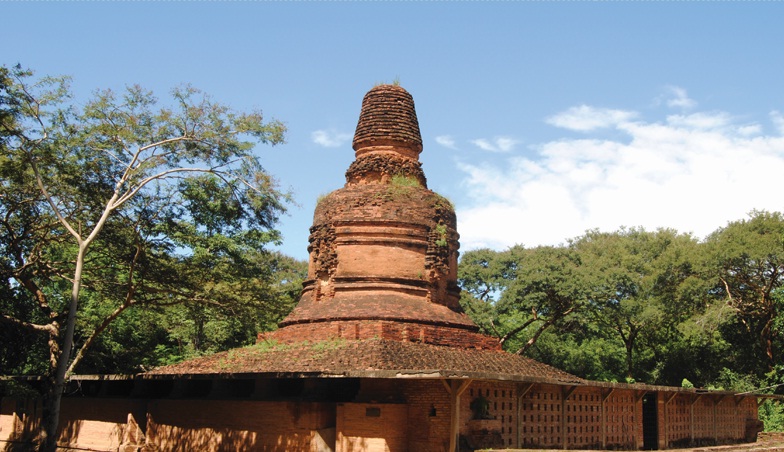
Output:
(703, 420)
(731, 415)
(503, 406)
(621, 420)
(679, 419)
(541, 417)
(583, 420)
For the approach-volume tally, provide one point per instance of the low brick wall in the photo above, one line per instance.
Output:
(372, 427)
(238, 425)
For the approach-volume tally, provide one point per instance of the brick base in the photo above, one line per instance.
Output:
(383, 329)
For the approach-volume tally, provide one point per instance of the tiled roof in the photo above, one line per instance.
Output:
(373, 358)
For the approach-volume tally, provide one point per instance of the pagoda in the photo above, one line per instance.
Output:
(378, 354)
(383, 249)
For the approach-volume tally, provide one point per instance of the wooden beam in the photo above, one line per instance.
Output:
(566, 392)
(603, 425)
(522, 390)
(667, 400)
(455, 388)
(716, 403)
(691, 415)
(639, 395)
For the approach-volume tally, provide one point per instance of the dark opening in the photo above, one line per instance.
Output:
(650, 423)
(158, 389)
(120, 388)
(197, 388)
(290, 387)
(241, 388)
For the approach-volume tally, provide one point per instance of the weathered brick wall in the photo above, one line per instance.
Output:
(412, 415)
(428, 415)
(372, 427)
(95, 424)
(584, 419)
(717, 420)
(678, 419)
(238, 425)
(369, 329)
(623, 420)
(703, 420)
(502, 408)
(18, 419)
(540, 417)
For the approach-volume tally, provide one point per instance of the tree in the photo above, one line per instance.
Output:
(748, 256)
(119, 203)
(521, 290)
(642, 285)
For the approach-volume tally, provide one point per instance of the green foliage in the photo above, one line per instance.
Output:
(747, 259)
(443, 239)
(124, 203)
(771, 413)
(171, 200)
(658, 307)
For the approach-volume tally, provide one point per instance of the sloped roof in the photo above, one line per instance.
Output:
(371, 358)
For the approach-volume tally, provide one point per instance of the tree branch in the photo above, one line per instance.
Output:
(34, 327)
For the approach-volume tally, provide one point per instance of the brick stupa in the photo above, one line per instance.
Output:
(383, 249)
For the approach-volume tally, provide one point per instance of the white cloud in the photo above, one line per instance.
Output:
(446, 141)
(585, 118)
(703, 121)
(676, 97)
(497, 144)
(330, 138)
(778, 121)
(690, 172)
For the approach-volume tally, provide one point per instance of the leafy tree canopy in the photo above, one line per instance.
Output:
(126, 202)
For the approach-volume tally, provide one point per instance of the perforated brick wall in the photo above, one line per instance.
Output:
(623, 420)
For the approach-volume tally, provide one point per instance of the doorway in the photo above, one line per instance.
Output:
(650, 422)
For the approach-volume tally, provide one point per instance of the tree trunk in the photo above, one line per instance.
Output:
(51, 413)
(766, 338)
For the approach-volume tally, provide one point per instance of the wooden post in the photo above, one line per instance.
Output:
(455, 388)
(566, 392)
(716, 403)
(638, 397)
(604, 416)
(691, 416)
(667, 401)
(522, 390)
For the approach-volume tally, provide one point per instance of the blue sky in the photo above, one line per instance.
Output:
(539, 119)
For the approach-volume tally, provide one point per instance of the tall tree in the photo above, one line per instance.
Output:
(749, 260)
(642, 284)
(121, 202)
(519, 293)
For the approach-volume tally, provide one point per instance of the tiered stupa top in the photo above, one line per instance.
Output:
(383, 249)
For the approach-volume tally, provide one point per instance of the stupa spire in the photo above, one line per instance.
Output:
(387, 141)
(383, 249)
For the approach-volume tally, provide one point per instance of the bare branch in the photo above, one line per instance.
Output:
(34, 327)
(162, 175)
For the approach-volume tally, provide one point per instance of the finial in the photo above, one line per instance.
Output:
(388, 118)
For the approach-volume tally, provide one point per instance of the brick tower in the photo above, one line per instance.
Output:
(383, 249)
